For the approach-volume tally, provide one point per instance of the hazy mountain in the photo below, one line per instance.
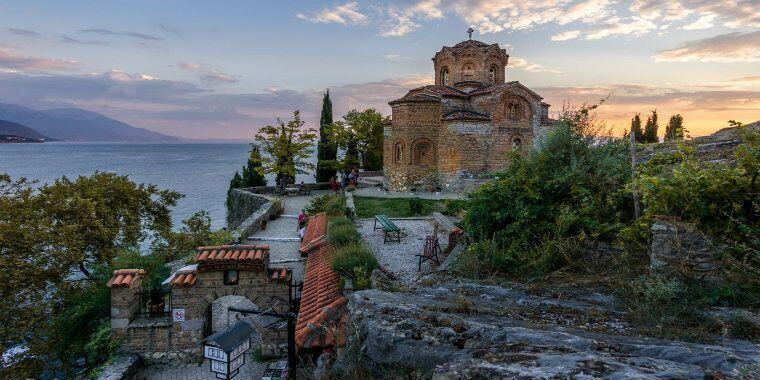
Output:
(74, 124)
(15, 129)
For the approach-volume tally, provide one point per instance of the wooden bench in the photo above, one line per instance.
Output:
(430, 251)
(389, 227)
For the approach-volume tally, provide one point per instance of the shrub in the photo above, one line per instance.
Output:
(318, 204)
(570, 191)
(336, 206)
(454, 206)
(342, 235)
(346, 259)
(100, 349)
(415, 206)
(339, 221)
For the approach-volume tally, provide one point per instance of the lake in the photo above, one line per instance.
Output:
(201, 171)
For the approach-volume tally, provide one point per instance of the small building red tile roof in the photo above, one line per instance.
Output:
(469, 115)
(125, 277)
(322, 316)
(232, 253)
(185, 276)
(315, 236)
(280, 274)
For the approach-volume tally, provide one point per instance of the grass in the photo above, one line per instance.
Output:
(367, 207)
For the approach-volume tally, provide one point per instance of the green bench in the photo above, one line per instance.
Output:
(392, 232)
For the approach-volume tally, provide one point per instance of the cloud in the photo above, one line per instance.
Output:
(209, 76)
(704, 22)
(169, 29)
(72, 40)
(346, 14)
(399, 24)
(24, 32)
(396, 57)
(522, 64)
(635, 26)
(108, 32)
(586, 11)
(13, 61)
(730, 47)
(568, 35)
(732, 13)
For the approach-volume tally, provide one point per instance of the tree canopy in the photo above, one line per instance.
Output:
(360, 135)
(287, 148)
(326, 150)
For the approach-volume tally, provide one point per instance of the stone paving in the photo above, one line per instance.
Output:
(285, 252)
(400, 258)
(380, 193)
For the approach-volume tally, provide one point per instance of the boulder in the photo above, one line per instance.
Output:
(465, 330)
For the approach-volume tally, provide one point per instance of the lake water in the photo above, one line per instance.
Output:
(201, 171)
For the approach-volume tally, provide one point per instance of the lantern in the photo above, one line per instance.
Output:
(225, 349)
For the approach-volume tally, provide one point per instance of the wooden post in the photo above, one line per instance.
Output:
(636, 207)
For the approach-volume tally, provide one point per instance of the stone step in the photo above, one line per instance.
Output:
(289, 216)
(272, 238)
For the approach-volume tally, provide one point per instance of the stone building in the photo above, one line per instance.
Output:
(464, 125)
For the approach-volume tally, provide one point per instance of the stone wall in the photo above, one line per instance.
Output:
(124, 305)
(248, 212)
(680, 247)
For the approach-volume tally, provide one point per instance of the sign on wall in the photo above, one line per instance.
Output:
(178, 315)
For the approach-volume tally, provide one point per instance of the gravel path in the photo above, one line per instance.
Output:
(400, 258)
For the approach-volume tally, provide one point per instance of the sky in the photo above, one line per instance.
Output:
(221, 70)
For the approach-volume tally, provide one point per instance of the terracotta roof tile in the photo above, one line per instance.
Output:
(321, 319)
(223, 254)
(316, 229)
(430, 93)
(280, 274)
(125, 277)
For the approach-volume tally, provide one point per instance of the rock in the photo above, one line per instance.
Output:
(680, 247)
(122, 367)
(464, 331)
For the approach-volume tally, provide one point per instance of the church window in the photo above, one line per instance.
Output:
(467, 70)
(445, 76)
(422, 153)
(398, 153)
(492, 73)
(517, 144)
(514, 110)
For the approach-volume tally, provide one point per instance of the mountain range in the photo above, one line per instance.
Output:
(75, 124)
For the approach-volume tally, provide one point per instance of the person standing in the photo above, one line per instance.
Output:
(334, 185)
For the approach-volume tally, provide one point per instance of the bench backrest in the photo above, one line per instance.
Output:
(386, 223)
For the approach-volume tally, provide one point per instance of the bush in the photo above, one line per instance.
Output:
(454, 206)
(318, 204)
(570, 191)
(346, 259)
(100, 349)
(336, 206)
(415, 206)
(343, 235)
(339, 221)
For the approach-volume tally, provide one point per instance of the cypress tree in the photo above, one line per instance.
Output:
(327, 153)
(650, 130)
(674, 130)
(636, 128)
(251, 174)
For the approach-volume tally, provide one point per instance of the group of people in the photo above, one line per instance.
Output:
(343, 179)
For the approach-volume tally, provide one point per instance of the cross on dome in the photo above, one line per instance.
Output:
(469, 32)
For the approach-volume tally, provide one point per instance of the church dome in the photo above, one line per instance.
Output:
(468, 43)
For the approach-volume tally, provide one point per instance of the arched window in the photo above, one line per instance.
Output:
(422, 152)
(492, 73)
(398, 153)
(445, 76)
(514, 111)
(517, 143)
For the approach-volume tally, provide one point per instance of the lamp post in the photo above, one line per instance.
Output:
(225, 349)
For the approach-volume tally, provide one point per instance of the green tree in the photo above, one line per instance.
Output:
(636, 128)
(650, 129)
(327, 152)
(287, 148)
(675, 130)
(360, 135)
(252, 175)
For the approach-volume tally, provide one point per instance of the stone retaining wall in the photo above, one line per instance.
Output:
(249, 212)
(680, 247)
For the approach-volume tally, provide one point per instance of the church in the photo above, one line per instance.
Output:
(451, 133)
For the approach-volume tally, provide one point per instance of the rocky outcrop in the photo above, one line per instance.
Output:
(678, 247)
(465, 331)
(717, 147)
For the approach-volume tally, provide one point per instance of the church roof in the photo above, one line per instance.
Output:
(466, 115)
(492, 88)
(468, 43)
(431, 93)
